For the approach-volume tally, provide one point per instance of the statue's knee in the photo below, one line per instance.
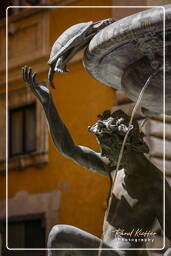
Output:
(57, 236)
(168, 252)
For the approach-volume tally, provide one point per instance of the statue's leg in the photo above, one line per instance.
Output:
(65, 236)
(168, 252)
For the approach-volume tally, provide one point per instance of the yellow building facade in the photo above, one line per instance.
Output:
(68, 193)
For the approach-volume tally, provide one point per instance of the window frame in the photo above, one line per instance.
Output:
(24, 219)
(17, 98)
(10, 139)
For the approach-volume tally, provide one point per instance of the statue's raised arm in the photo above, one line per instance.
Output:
(59, 132)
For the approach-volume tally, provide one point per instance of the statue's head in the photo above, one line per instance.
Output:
(110, 131)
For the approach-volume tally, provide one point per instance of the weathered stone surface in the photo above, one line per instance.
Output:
(157, 127)
(23, 204)
(157, 146)
(122, 56)
(23, 45)
(160, 164)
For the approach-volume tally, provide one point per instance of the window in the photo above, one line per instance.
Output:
(27, 134)
(28, 232)
(22, 130)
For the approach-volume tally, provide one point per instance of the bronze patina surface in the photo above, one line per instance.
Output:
(125, 53)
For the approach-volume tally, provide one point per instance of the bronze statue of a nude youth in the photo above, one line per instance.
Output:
(137, 198)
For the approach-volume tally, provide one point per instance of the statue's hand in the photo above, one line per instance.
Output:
(39, 90)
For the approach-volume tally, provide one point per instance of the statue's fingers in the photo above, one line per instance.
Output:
(33, 78)
(24, 73)
(29, 74)
(32, 82)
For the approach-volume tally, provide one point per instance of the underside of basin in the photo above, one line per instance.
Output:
(124, 54)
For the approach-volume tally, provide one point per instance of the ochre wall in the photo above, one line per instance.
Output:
(79, 99)
(158, 2)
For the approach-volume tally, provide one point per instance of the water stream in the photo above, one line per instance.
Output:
(121, 152)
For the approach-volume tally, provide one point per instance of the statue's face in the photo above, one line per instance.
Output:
(111, 147)
(110, 133)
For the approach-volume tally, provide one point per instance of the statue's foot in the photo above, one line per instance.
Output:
(65, 236)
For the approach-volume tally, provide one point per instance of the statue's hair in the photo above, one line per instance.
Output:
(115, 125)
(116, 115)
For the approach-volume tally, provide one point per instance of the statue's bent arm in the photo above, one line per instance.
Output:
(66, 146)
(59, 132)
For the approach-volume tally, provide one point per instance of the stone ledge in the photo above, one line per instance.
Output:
(30, 11)
(159, 163)
(24, 46)
(37, 160)
(156, 148)
(18, 98)
(24, 204)
(157, 127)
(160, 118)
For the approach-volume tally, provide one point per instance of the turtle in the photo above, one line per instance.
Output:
(70, 42)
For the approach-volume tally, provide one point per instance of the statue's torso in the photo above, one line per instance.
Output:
(125, 210)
